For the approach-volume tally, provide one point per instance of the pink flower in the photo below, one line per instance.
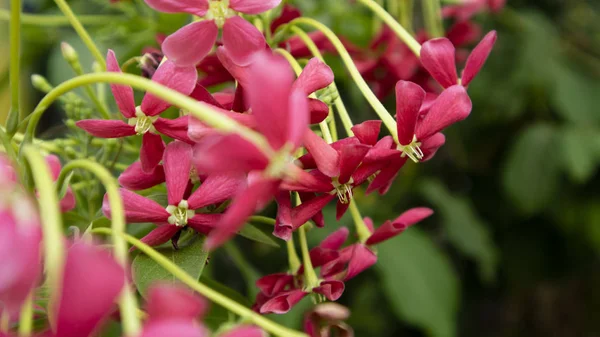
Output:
(144, 120)
(67, 203)
(190, 44)
(325, 318)
(182, 206)
(469, 8)
(291, 218)
(438, 56)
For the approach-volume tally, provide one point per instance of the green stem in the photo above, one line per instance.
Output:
(205, 291)
(245, 267)
(293, 259)
(54, 247)
(200, 110)
(310, 276)
(432, 15)
(83, 34)
(8, 147)
(339, 104)
(263, 219)
(361, 228)
(405, 14)
(26, 317)
(298, 70)
(402, 33)
(383, 114)
(12, 120)
(127, 303)
(58, 21)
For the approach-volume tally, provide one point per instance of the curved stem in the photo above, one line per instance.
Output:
(293, 259)
(402, 33)
(83, 34)
(298, 70)
(200, 110)
(262, 219)
(26, 317)
(127, 302)
(12, 120)
(339, 104)
(383, 114)
(205, 291)
(58, 21)
(310, 276)
(54, 247)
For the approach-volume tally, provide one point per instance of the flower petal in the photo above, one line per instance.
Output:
(106, 128)
(177, 162)
(409, 98)
(242, 40)
(430, 145)
(350, 158)
(202, 95)
(175, 128)
(335, 240)
(151, 152)
(273, 284)
(282, 303)
(161, 234)
(226, 154)
(332, 290)
(123, 93)
(67, 203)
(171, 302)
(315, 76)
(318, 110)
(391, 229)
(204, 223)
(215, 189)
(367, 132)
(244, 331)
(196, 7)
(92, 280)
(325, 156)
(134, 178)
(137, 208)
(478, 57)
(253, 6)
(362, 258)
(174, 328)
(438, 57)
(386, 176)
(463, 33)
(451, 106)
(179, 78)
(283, 221)
(191, 43)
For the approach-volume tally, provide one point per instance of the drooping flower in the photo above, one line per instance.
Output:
(190, 44)
(144, 120)
(327, 319)
(180, 211)
(438, 56)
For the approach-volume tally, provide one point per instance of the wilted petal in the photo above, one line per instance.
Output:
(196, 7)
(134, 178)
(175, 128)
(453, 105)
(179, 78)
(282, 303)
(362, 258)
(216, 188)
(326, 158)
(478, 57)
(191, 43)
(332, 290)
(166, 301)
(315, 76)
(409, 98)
(123, 93)
(137, 208)
(177, 162)
(106, 128)
(253, 6)
(161, 234)
(438, 57)
(92, 280)
(242, 40)
(367, 132)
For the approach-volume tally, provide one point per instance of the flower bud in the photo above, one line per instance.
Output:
(69, 53)
(41, 83)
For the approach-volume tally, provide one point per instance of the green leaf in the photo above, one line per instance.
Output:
(420, 282)
(217, 315)
(190, 257)
(254, 233)
(579, 152)
(576, 96)
(465, 229)
(532, 172)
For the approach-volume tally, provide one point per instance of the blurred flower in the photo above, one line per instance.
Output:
(327, 319)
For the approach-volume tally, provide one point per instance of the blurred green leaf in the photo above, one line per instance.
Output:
(465, 229)
(580, 152)
(420, 282)
(190, 257)
(531, 174)
(217, 315)
(576, 96)
(254, 233)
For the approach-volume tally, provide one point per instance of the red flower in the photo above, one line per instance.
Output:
(325, 318)
(469, 8)
(67, 203)
(190, 44)
(144, 120)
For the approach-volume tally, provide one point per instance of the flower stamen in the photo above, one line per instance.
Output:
(219, 11)
(412, 150)
(179, 214)
(142, 122)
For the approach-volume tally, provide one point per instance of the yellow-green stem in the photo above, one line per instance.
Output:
(200, 110)
(310, 276)
(361, 228)
(205, 291)
(405, 15)
(293, 259)
(298, 70)
(339, 104)
(54, 247)
(262, 219)
(83, 34)
(127, 302)
(58, 21)
(12, 120)
(432, 15)
(383, 114)
(402, 33)
(26, 317)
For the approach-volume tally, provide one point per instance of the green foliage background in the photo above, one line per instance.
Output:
(513, 248)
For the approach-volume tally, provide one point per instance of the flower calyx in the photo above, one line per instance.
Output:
(179, 214)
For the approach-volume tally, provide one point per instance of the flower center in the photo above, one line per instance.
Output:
(219, 11)
(412, 150)
(142, 122)
(343, 191)
(278, 166)
(179, 214)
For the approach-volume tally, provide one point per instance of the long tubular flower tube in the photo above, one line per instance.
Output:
(205, 291)
(127, 302)
(199, 110)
